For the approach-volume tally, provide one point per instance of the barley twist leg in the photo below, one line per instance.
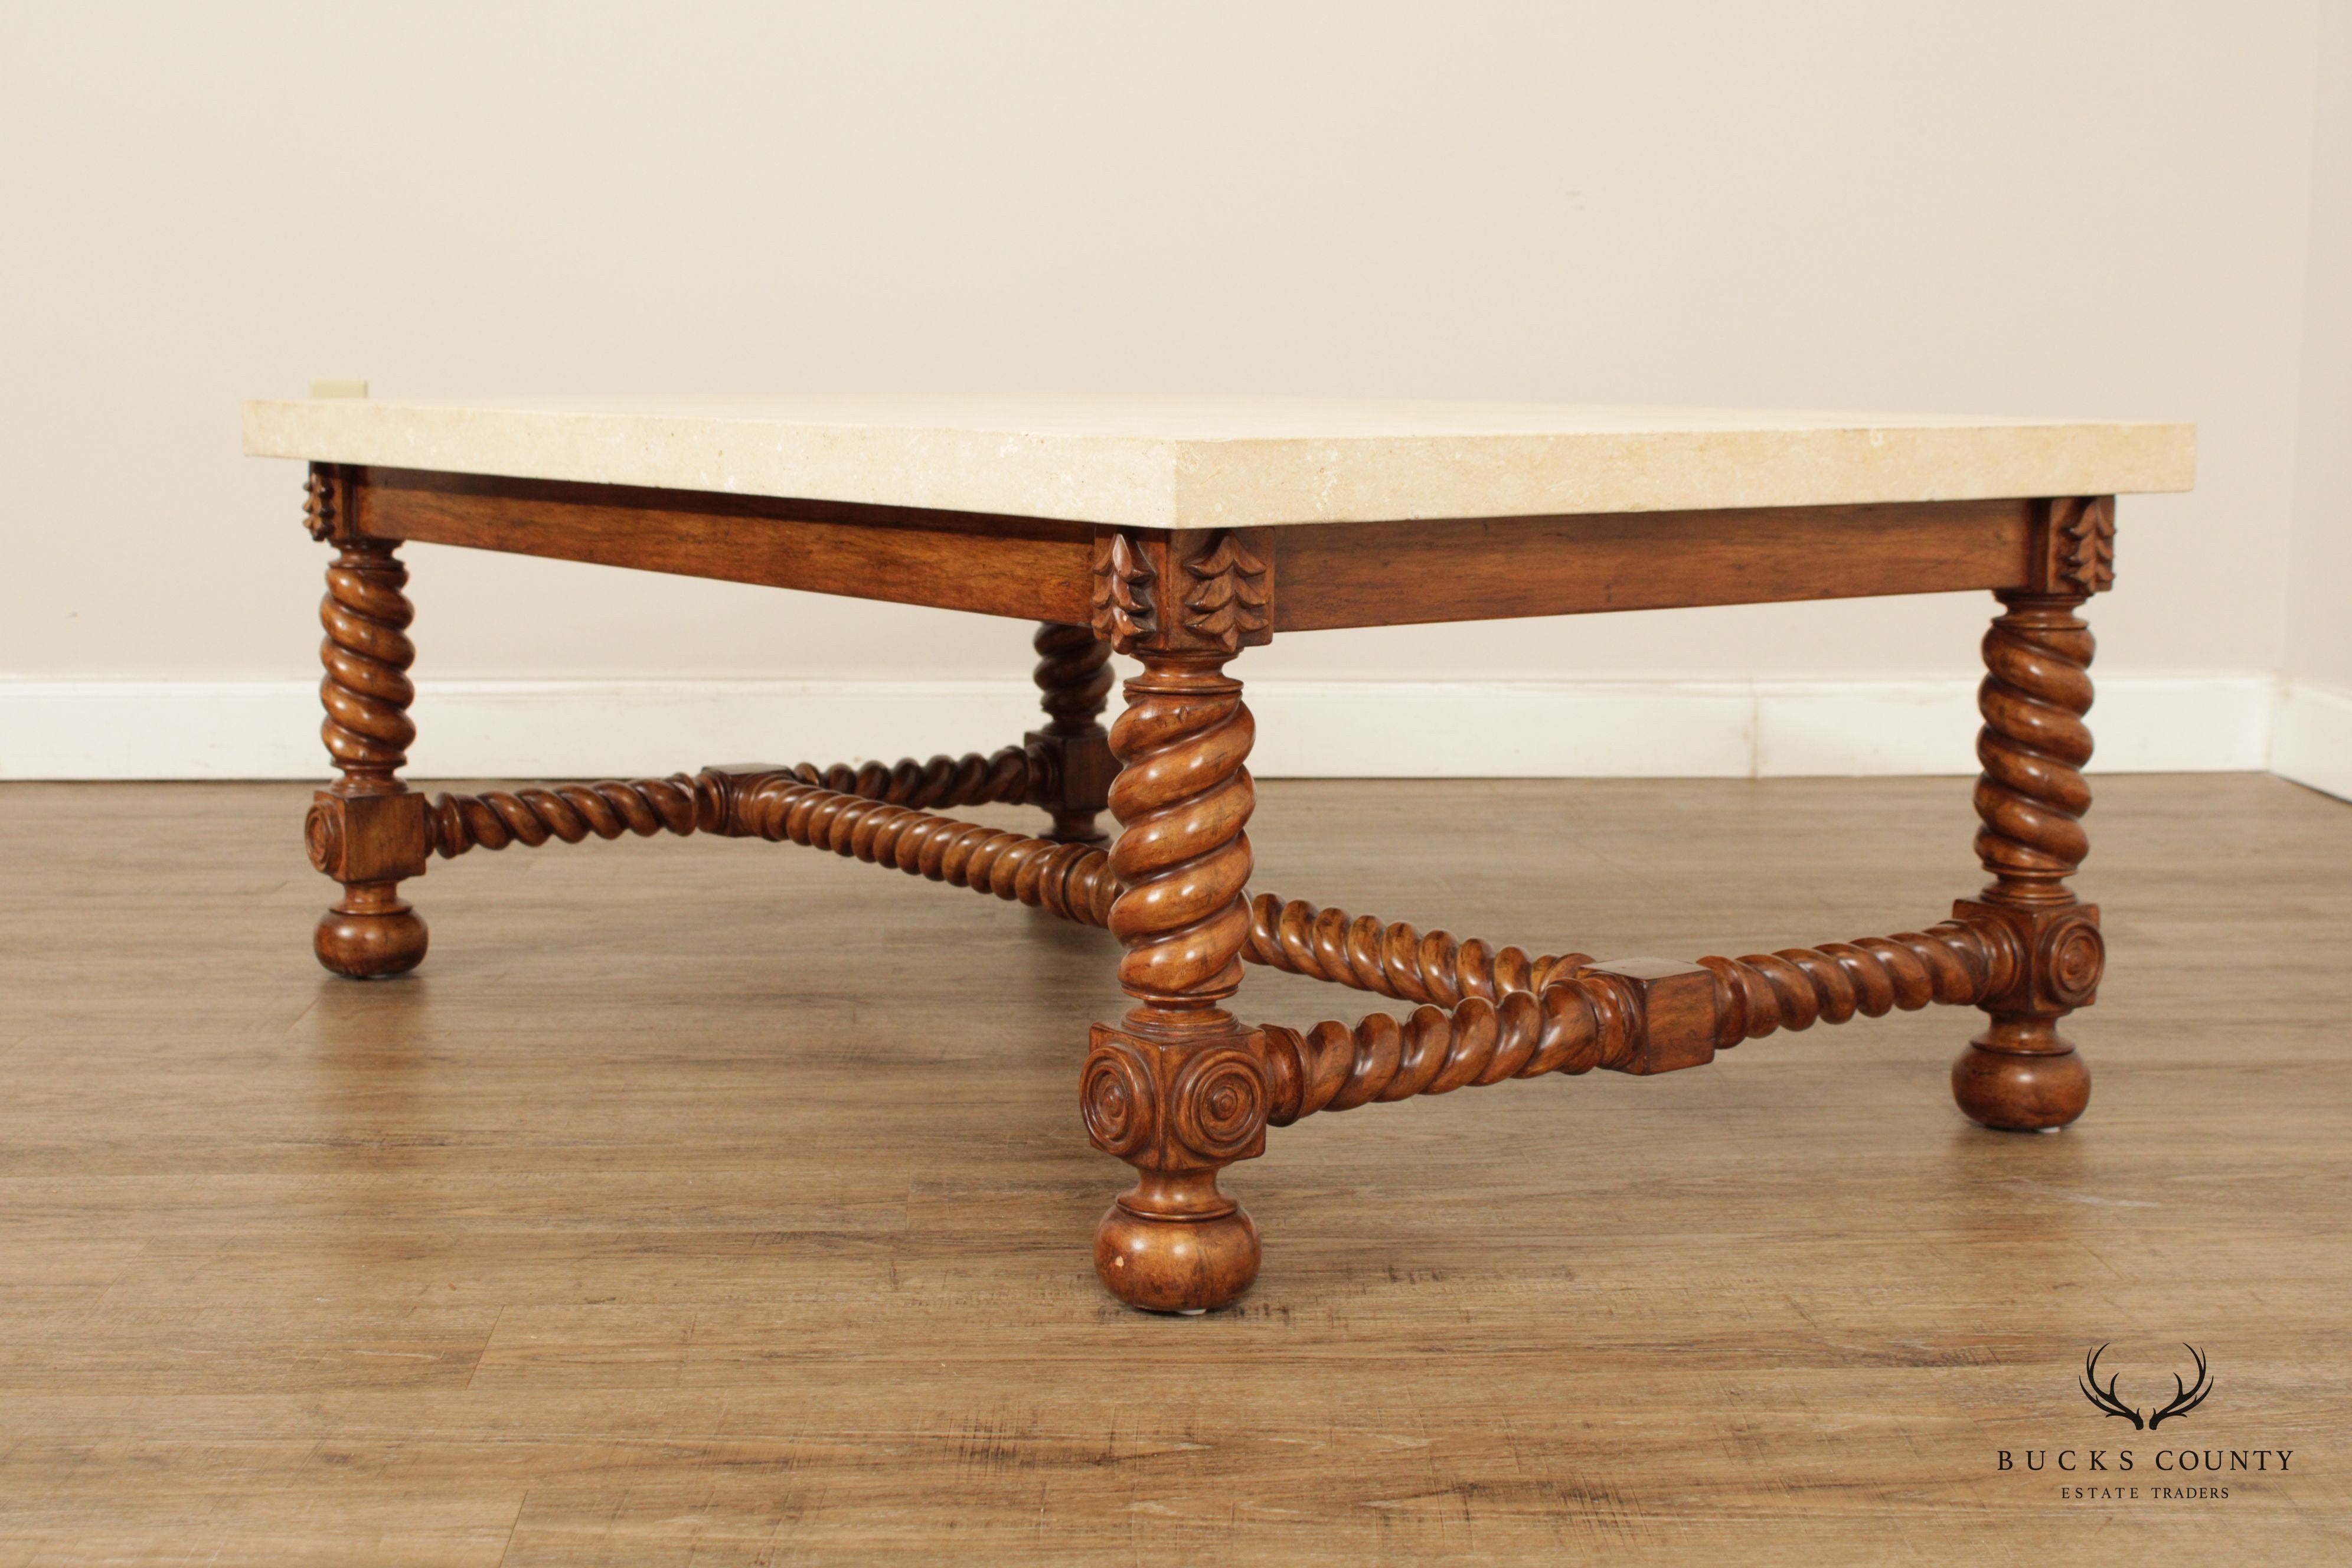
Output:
(366, 829)
(2021, 1074)
(1178, 1089)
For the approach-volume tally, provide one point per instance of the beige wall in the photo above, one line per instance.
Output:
(2092, 208)
(2320, 644)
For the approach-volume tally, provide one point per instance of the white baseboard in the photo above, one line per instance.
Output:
(571, 729)
(2311, 737)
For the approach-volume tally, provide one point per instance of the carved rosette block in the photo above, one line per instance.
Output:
(368, 838)
(1175, 1105)
(366, 829)
(2021, 1074)
(1178, 1110)
(2057, 956)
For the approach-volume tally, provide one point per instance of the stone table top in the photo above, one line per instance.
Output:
(1220, 462)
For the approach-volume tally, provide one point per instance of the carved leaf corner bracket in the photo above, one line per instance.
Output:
(2086, 548)
(1228, 603)
(1122, 597)
(319, 505)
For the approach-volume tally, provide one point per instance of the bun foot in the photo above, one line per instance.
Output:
(1186, 1266)
(2019, 1092)
(370, 936)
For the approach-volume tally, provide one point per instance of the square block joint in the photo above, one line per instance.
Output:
(1675, 1005)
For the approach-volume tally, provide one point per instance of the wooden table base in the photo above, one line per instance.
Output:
(1180, 1086)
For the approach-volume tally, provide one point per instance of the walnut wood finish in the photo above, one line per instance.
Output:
(1391, 957)
(1181, 1088)
(1039, 774)
(1637, 1015)
(1028, 567)
(367, 829)
(1954, 963)
(1008, 775)
(1329, 574)
(1394, 573)
(1073, 681)
(1067, 880)
(1177, 1089)
(1209, 591)
(2022, 1073)
(758, 801)
(533, 815)
(1577, 1023)
(682, 804)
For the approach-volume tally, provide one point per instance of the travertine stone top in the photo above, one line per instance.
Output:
(1217, 462)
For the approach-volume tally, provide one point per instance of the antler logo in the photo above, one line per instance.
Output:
(2185, 1396)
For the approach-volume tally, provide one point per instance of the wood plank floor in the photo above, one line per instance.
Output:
(717, 1202)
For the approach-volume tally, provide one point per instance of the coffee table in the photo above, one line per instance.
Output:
(1179, 533)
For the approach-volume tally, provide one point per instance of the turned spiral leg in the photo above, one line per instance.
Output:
(367, 830)
(2022, 1074)
(1074, 680)
(1178, 1089)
